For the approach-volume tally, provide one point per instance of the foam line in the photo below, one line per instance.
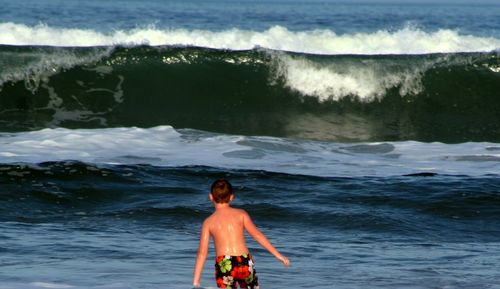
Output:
(165, 146)
(408, 40)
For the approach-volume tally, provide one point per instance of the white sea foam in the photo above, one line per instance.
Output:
(408, 40)
(365, 80)
(165, 146)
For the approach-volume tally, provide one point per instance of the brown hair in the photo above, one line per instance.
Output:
(221, 191)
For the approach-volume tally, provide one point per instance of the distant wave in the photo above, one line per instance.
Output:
(433, 97)
(408, 40)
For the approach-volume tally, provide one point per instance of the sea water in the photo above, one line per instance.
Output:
(363, 137)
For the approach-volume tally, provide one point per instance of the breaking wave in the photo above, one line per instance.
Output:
(448, 97)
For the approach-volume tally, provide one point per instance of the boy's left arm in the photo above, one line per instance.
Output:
(202, 254)
(262, 239)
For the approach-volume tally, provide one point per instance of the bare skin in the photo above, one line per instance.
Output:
(227, 226)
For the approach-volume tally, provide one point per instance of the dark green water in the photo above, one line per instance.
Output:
(435, 97)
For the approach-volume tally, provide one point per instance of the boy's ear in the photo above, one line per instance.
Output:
(210, 197)
(231, 198)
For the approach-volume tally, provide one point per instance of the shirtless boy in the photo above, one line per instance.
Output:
(233, 265)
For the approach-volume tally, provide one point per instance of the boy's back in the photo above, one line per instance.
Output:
(226, 226)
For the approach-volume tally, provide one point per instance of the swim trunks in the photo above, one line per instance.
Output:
(231, 271)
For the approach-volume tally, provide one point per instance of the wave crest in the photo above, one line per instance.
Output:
(408, 40)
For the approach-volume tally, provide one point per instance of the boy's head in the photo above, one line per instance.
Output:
(221, 191)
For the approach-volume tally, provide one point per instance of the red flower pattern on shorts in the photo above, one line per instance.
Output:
(220, 283)
(240, 272)
(219, 258)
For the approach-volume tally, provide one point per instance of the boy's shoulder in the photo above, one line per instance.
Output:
(238, 210)
(233, 211)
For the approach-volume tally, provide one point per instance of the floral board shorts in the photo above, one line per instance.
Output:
(231, 271)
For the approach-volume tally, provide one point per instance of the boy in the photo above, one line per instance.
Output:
(226, 225)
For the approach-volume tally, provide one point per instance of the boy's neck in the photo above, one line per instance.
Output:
(219, 206)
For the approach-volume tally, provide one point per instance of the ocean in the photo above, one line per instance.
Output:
(363, 137)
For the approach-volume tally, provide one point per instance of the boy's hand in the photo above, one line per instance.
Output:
(284, 260)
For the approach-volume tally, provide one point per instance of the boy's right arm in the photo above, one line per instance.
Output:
(262, 239)
(202, 254)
